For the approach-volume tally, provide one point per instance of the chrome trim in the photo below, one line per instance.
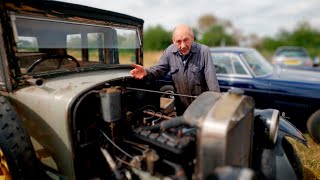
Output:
(243, 65)
(274, 125)
(235, 75)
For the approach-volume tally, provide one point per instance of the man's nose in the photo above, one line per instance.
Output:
(183, 45)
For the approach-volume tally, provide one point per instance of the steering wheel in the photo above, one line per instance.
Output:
(55, 56)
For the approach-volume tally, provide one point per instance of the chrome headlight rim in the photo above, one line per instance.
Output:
(274, 125)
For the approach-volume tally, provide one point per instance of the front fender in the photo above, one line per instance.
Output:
(280, 160)
(290, 130)
(275, 164)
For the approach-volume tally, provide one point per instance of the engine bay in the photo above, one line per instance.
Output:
(110, 126)
(127, 129)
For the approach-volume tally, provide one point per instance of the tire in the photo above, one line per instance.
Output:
(313, 126)
(293, 157)
(18, 159)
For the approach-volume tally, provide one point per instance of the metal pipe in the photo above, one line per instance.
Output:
(179, 171)
(160, 92)
(37, 82)
(114, 144)
(111, 163)
(157, 115)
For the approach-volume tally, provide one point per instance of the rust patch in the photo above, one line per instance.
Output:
(68, 88)
(32, 89)
(64, 90)
(22, 8)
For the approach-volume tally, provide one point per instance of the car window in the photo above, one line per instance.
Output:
(227, 64)
(292, 53)
(239, 68)
(27, 44)
(89, 44)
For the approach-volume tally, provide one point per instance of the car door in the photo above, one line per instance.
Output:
(233, 73)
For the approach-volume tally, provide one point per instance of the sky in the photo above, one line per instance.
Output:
(263, 18)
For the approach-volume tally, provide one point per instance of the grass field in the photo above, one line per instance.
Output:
(310, 157)
(151, 57)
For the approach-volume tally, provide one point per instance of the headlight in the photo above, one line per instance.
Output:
(267, 122)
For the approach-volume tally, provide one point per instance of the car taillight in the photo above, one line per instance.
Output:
(309, 62)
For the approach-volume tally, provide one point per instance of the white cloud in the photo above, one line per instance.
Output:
(250, 16)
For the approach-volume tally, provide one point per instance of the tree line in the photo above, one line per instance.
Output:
(213, 31)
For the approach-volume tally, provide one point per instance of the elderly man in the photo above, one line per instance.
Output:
(189, 63)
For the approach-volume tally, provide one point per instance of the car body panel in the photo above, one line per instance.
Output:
(44, 118)
(252, 87)
(61, 92)
(306, 68)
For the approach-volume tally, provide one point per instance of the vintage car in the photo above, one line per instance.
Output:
(294, 92)
(69, 108)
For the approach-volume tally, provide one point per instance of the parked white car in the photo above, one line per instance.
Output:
(292, 56)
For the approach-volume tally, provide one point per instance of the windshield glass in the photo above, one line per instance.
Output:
(258, 64)
(65, 44)
(293, 53)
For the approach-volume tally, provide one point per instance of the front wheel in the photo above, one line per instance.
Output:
(18, 159)
(313, 126)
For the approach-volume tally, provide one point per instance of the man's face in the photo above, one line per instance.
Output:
(183, 40)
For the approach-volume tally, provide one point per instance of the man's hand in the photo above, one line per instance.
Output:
(138, 72)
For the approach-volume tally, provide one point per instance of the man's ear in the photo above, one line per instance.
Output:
(192, 38)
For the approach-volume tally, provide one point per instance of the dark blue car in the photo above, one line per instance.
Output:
(295, 93)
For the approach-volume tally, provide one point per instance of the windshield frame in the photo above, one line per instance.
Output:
(55, 10)
(105, 59)
(23, 16)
